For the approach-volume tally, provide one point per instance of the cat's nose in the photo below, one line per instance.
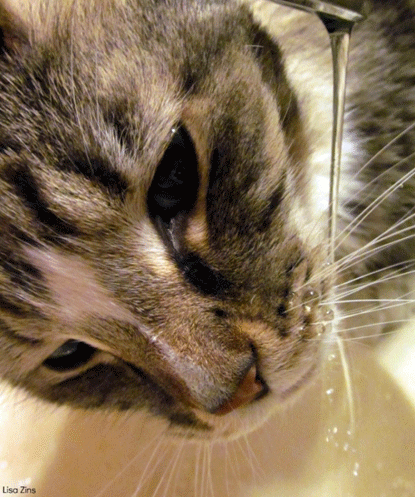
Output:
(250, 388)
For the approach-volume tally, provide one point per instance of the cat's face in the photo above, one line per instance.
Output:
(159, 247)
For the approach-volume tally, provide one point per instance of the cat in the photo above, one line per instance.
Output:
(164, 202)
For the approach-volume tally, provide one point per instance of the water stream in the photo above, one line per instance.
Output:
(339, 32)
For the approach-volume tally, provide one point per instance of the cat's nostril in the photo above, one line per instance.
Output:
(250, 389)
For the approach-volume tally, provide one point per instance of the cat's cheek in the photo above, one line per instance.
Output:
(73, 287)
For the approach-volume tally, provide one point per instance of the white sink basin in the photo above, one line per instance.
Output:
(331, 443)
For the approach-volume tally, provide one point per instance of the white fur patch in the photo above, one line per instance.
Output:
(197, 232)
(78, 294)
(74, 287)
(152, 249)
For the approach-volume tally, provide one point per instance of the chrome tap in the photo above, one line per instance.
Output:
(342, 10)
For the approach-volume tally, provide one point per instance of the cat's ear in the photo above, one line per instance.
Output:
(13, 31)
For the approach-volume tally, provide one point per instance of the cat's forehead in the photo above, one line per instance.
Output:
(111, 81)
(145, 75)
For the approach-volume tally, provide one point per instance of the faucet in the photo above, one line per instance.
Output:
(342, 10)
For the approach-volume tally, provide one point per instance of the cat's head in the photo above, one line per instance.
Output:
(159, 247)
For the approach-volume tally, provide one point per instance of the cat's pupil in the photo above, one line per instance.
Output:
(175, 184)
(175, 178)
(70, 355)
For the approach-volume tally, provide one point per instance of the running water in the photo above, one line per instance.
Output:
(339, 32)
(339, 17)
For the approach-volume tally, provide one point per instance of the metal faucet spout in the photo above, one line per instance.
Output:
(344, 10)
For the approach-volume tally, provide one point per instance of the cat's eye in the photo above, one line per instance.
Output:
(175, 184)
(70, 355)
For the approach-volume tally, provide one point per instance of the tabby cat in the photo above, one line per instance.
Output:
(163, 180)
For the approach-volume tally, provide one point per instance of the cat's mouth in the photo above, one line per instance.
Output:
(285, 365)
(245, 411)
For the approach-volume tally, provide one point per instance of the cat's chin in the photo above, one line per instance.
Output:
(248, 418)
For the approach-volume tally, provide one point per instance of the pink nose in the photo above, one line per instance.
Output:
(249, 389)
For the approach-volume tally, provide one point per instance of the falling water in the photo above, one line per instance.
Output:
(338, 16)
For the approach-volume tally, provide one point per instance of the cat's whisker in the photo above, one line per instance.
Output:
(256, 464)
(359, 194)
(390, 234)
(381, 304)
(357, 284)
(366, 184)
(175, 464)
(383, 149)
(203, 482)
(209, 481)
(388, 278)
(399, 265)
(349, 290)
(130, 463)
(227, 478)
(364, 338)
(393, 229)
(406, 301)
(234, 462)
(360, 255)
(363, 312)
(146, 474)
(346, 332)
(197, 470)
(252, 459)
(363, 252)
(210, 474)
(191, 152)
(358, 220)
(166, 474)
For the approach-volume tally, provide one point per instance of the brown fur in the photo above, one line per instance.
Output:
(175, 311)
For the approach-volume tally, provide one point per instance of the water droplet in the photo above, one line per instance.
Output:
(307, 309)
(331, 357)
(334, 430)
(328, 315)
(330, 396)
(356, 469)
(310, 294)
